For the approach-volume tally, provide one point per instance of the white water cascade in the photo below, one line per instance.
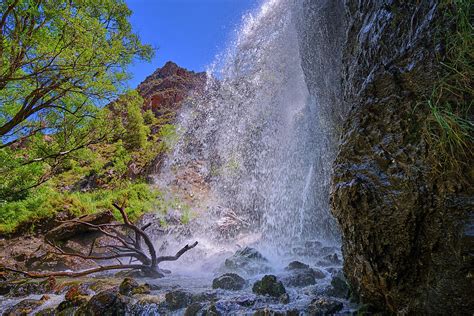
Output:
(254, 155)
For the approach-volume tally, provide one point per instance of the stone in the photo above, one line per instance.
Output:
(178, 299)
(211, 311)
(300, 278)
(5, 287)
(127, 286)
(324, 306)
(248, 260)
(68, 230)
(284, 298)
(229, 281)
(193, 309)
(108, 302)
(269, 285)
(296, 265)
(25, 307)
(339, 286)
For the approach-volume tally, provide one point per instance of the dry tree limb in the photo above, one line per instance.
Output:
(129, 246)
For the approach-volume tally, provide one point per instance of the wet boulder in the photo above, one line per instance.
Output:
(74, 297)
(324, 306)
(229, 281)
(339, 286)
(247, 260)
(68, 230)
(299, 278)
(108, 302)
(178, 299)
(269, 285)
(25, 307)
(193, 309)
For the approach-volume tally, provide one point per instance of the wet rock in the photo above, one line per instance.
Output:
(25, 307)
(269, 285)
(296, 265)
(48, 312)
(211, 311)
(402, 222)
(284, 298)
(5, 288)
(248, 260)
(74, 297)
(271, 312)
(324, 306)
(229, 281)
(178, 299)
(108, 302)
(70, 229)
(193, 309)
(301, 275)
(127, 286)
(339, 286)
(299, 278)
(329, 260)
(33, 287)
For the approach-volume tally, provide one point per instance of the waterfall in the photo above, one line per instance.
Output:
(255, 151)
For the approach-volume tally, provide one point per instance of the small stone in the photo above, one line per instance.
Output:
(269, 285)
(178, 299)
(323, 306)
(284, 298)
(193, 309)
(339, 286)
(229, 281)
(127, 286)
(296, 265)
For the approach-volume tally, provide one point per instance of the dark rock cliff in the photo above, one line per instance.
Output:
(407, 233)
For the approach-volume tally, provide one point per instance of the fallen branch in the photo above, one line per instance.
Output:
(128, 246)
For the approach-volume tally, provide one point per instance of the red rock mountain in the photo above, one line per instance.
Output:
(167, 87)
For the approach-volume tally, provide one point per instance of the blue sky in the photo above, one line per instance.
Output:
(188, 32)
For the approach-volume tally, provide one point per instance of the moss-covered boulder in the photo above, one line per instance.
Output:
(229, 281)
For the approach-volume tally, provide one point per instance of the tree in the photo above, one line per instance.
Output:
(60, 62)
(61, 58)
(136, 132)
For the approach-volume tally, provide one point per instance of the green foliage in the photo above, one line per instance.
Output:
(61, 58)
(451, 127)
(136, 132)
(47, 201)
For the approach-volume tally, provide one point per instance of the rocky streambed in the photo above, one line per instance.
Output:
(244, 284)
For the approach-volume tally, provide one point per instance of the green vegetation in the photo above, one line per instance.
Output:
(71, 137)
(451, 127)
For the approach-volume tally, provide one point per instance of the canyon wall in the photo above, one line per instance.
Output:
(407, 232)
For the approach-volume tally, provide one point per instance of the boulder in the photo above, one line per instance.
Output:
(193, 309)
(25, 307)
(108, 302)
(229, 281)
(269, 285)
(178, 299)
(339, 286)
(300, 278)
(127, 286)
(247, 260)
(68, 230)
(296, 265)
(324, 306)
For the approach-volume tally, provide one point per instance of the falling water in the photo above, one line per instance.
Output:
(255, 150)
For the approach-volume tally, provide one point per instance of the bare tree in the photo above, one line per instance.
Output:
(128, 247)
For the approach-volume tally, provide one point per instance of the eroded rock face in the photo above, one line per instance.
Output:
(404, 229)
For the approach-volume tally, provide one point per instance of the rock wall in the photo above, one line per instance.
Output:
(407, 234)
